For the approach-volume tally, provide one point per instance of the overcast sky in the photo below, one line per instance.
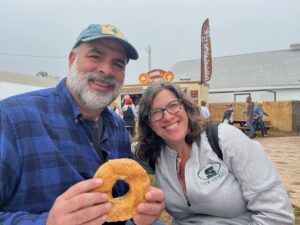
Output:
(37, 35)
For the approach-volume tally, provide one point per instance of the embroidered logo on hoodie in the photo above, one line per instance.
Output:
(212, 172)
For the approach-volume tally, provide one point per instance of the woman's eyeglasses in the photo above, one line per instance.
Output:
(172, 107)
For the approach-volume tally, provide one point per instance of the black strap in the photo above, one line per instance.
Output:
(213, 139)
(152, 164)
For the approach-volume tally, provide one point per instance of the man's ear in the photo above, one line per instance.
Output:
(72, 57)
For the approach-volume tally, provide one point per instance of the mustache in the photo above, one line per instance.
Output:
(99, 77)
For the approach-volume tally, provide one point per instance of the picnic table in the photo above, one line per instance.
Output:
(242, 125)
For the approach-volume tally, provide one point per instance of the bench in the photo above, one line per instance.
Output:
(244, 128)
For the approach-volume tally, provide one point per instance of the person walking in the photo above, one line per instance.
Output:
(258, 119)
(250, 117)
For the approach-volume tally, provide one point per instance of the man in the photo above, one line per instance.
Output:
(204, 110)
(52, 141)
(258, 119)
(250, 117)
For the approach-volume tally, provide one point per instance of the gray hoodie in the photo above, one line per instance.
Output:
(243, 188)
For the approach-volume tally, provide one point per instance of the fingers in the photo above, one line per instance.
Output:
(78, 205)
(150, 211)
(153, 209)
(79, 211)
(91, 214)
(85, 200)
(155, 195)
(82, 187)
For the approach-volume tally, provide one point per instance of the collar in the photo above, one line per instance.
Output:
(73, 109)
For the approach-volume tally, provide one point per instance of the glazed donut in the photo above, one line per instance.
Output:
(128, 170)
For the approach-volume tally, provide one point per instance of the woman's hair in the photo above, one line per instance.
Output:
(149, 143)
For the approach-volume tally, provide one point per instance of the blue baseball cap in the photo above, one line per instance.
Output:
(97, 31)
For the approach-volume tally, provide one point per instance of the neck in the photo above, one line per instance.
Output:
(90, 114)
(183, 150)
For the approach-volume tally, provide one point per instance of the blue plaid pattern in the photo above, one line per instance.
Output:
(45, 149)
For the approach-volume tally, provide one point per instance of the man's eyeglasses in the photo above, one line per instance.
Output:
(172, 107)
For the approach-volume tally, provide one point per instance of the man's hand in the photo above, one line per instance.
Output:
(150, 211)
(78, 205)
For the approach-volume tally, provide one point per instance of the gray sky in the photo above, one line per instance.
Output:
(47, 30)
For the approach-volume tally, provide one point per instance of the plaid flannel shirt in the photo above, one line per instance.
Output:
(45, 149)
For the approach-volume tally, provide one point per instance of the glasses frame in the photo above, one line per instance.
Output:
(162, 110)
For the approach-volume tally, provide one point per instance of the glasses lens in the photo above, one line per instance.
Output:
(156, 115)
(173, 107)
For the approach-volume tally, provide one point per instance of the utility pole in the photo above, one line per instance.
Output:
(149, 56)
(148, 50)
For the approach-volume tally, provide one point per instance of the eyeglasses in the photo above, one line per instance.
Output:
(172, 107)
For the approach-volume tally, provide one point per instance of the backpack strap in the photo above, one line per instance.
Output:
(213, 139)
(152, 164)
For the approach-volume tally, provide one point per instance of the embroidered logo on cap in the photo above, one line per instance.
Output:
(112, 30)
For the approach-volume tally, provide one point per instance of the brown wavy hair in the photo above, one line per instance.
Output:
(149, 143)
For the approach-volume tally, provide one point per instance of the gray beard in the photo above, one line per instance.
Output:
(90, 98)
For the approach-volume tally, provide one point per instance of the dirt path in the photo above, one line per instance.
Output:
(285, 155)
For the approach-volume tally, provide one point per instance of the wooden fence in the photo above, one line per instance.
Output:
(283, 115)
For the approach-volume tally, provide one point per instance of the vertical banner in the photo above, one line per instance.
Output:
(206, 61)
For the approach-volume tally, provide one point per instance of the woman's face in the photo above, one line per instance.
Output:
(172, 128)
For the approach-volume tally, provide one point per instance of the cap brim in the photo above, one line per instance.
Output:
(130, 50)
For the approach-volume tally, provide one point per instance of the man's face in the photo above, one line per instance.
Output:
(97, 73)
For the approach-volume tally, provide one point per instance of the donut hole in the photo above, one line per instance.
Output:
(120, 188)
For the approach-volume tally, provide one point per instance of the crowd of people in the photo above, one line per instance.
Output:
(53, 141)
(128, 112)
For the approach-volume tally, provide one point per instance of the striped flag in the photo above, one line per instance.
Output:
(206, 61)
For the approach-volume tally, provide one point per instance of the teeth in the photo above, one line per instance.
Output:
(99, 83)
(171, 126)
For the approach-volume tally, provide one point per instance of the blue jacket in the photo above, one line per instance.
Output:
(45, 149)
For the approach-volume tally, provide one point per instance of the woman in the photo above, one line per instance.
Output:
(200, 188)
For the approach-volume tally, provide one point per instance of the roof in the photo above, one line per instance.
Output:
(29, 80)
(265, 69)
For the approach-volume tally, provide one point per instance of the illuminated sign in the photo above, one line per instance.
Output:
(156, 76)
